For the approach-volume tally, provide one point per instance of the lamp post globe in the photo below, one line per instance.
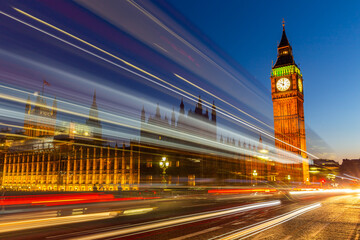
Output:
(164, 164)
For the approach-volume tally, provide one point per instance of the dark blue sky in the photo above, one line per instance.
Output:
(325, 39)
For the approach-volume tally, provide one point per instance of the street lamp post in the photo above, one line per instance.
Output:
(255, 176)
(164, 164)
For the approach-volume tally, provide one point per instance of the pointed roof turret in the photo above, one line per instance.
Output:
(198, 109)
(93, 122)
(284, 41)
(143, 114)
(94, 99)
(182, 106)
(285, 56)
(213, 112)
(94, 109)
(260, 146)
(157, 114)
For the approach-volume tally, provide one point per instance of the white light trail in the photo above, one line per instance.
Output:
(130, 123)
(222, 100)
(151, 226)
(355, 178)
(202, 54)
(321, 191)
(255, 229)
(52, 221)
(178, 90)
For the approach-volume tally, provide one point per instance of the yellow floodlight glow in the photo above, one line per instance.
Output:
(263, 157)
(137, 211)
(264, 151)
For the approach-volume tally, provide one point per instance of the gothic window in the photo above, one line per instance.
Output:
(149, 164)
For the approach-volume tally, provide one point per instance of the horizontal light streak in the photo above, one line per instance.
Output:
(354, 178)
(314, 191)
(270, 223)
(278, 155)
(222, 100)
(52, 221)
(342, 177)
(180, 146)
(137, 211)
(235, 191)
(66, 199)
(178, 221)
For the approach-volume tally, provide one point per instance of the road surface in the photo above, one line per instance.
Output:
(311, 217)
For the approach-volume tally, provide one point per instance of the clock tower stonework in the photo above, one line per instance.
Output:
(288, 100)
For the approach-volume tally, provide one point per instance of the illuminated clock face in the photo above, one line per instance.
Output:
(283, 84)
(300, 85)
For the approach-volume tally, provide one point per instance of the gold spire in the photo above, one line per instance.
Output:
(283, 23)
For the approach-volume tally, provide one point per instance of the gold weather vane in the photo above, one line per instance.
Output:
(283, 23)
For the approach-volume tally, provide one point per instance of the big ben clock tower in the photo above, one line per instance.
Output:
(288, 100)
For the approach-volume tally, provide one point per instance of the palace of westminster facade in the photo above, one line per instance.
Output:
(78, 158)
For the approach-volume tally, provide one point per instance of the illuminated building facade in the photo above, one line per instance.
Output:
(288, 100)
(67, 159)
(70, 165)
